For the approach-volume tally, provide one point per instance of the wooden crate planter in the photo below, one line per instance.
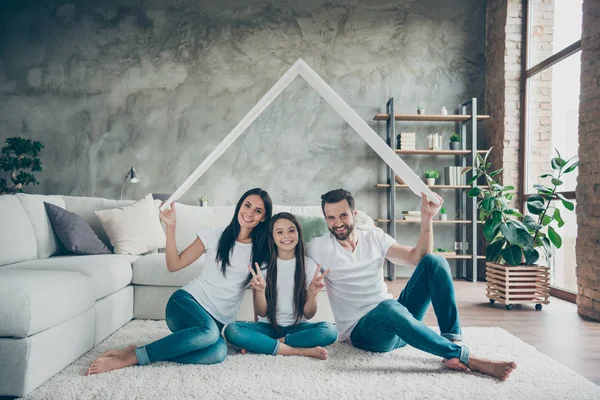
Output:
(517, 285)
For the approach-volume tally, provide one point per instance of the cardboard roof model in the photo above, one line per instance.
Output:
(300, 68)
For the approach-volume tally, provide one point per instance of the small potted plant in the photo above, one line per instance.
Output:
(19, 157)
(203, 202)
(455, 142)
(443, 215)
(431, 177)
(421, 108)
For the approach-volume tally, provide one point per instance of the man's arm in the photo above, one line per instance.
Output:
(411, 256)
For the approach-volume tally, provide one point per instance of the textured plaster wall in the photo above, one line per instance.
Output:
(157, 84)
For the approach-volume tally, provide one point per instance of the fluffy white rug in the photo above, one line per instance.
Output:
(348, 374)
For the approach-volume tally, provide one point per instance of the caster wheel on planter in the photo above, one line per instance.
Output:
(509, 306)
(492, 301)
(538, 307)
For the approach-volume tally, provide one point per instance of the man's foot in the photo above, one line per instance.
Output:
(117, 360)
(497, 369)
(455, 364)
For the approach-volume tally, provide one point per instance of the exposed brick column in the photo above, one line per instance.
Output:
(588, 182)
(502, 87)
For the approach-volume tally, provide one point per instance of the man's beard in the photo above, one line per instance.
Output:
(346, 234)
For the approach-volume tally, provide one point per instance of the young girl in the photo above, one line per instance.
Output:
(285, 300)
(197, 312)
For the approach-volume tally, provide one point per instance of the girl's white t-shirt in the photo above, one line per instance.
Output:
(355, 284)
(285, 289)
(221, 295)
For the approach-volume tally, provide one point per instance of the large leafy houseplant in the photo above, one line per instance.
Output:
(510, 239)
(19, 157)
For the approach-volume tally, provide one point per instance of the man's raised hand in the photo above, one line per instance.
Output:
(317, 282)
(258, 282)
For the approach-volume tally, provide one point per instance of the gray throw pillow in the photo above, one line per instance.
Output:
(74, 232)
(312, 227)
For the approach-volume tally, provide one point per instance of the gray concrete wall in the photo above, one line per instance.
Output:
(109, 84)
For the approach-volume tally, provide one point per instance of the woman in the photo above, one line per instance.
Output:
(196, 313)
(285, 300)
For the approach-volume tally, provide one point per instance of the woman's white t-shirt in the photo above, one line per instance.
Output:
(285, 289)
(355, 284)
(221, 295)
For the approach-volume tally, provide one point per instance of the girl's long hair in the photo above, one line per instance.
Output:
(260, 249)
(299, 274)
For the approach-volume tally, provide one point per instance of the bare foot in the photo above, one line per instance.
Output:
(114, 352)
(497, 369)
(243, 351)
(119, 359)
(315, 352)
(455, 364)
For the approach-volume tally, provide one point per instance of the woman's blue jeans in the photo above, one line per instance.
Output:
(196, 337)
(396, 323)
(260, 337)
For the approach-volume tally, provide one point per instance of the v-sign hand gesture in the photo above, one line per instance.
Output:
(258, 282)
(317, 282)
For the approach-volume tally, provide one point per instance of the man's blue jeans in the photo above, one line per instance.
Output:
(396, 323)
(196, 337)
(261, 338)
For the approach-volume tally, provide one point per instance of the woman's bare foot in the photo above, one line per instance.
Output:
(114, 352)
(497, 369)
(117, 360)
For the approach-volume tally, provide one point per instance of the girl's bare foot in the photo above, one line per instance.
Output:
(114, 352)
(455, 364)
(315, 352)
(117, 360)
(243, 351)
(497, 369)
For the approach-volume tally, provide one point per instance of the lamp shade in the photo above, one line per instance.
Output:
(133, 176)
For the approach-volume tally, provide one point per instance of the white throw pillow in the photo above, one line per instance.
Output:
(134, 229)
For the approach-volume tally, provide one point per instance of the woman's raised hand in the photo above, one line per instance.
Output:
(168, 216)
(258, 282)
(317, 282)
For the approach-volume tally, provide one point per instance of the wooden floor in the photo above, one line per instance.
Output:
(557, 331)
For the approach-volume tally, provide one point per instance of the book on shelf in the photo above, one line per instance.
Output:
(453, 176)
(407, 141)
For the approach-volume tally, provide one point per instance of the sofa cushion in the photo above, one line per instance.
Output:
(192, 218)
(47, 242)
(109, 272)
(312, 227)
(74, 233)
(33, 301)
(17, 238)
(152, 270)
(134, 229)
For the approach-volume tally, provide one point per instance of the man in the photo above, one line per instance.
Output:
(365, 312)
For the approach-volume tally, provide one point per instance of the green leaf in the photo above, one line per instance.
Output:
(556, 182)
(535, 207)
(495, 186)
(493, 250)
(475, 191)
(542, 188)
(558, 218)
(572, 167)
(513, 211)
(490, 229)
(556, 150)
(547, 246)
(547, 176)
(509, 188)
(558, 163)
(568, 205)
(466, 169)
(473, 179)
(554, 237)
(509, 232)
(535, 197)
(547, 219)
(497, 216)
(496, 172)
(531, 256)
(488, 204)
(530, 223)
(512, 255)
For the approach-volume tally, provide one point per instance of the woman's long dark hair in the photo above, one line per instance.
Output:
(299, 274)
(260, 250)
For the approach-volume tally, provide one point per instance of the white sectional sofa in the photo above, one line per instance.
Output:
(56, 307)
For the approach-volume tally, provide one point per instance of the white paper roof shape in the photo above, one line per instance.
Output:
(300, 68)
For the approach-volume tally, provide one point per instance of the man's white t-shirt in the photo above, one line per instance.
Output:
(355, 284)
(285, 289)
(221, 295)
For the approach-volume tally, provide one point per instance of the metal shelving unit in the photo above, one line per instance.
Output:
(468, 117)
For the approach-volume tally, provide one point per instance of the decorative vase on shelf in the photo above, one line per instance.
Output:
(434, 141)
(430, 181)
(443, 217)
(444, 111)
(455, 146)
(420, 109)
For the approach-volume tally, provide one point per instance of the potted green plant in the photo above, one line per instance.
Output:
(455, 141)
(19, 157)
(431, 177)
(421, 108)
(443, 215)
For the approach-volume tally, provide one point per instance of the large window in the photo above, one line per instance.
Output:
(550, 111)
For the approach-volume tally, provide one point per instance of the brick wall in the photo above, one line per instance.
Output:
(502, 98)
(588, 182)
